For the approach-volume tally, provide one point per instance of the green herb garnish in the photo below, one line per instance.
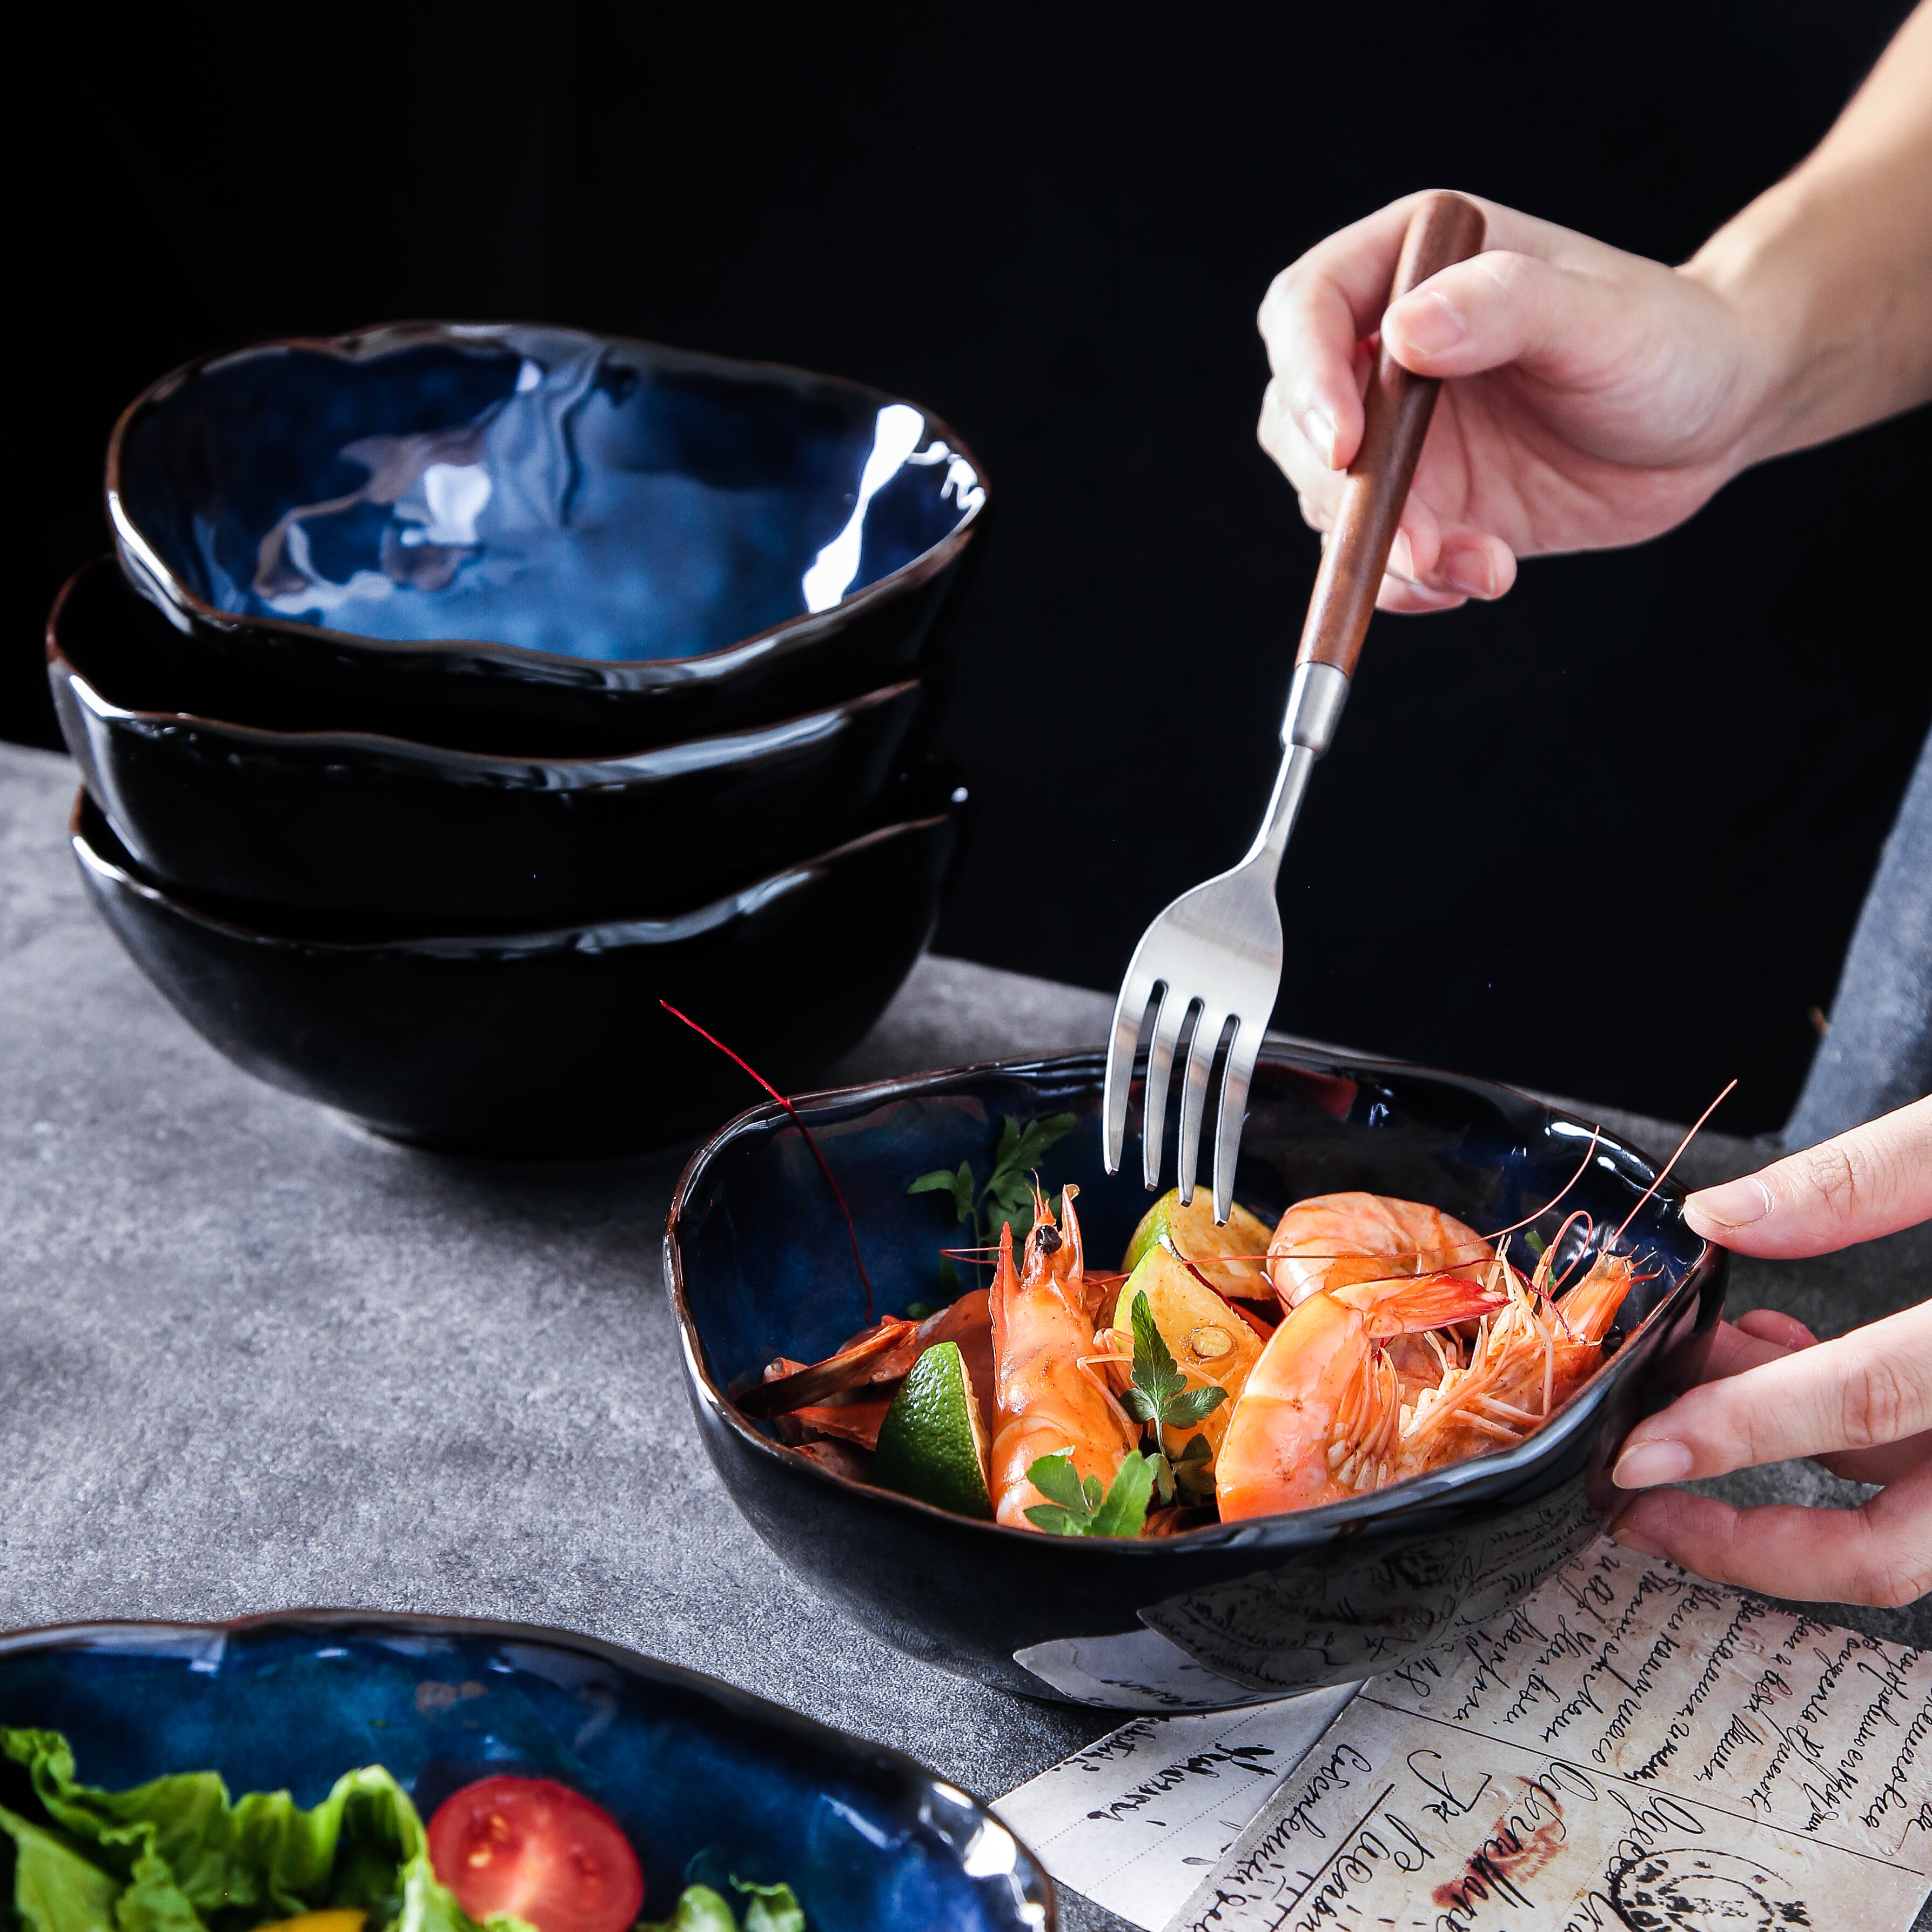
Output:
(1075, 1508)
(1187, 1468)
(1006, 1199)
(773, 1907)
(1159, 1395)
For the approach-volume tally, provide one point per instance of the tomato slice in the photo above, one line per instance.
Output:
(538, 1850)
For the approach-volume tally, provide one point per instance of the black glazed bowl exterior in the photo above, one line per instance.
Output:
(550, 1042)
(704, 1779)
(757, 1264)
(605, 534)
(347, 822)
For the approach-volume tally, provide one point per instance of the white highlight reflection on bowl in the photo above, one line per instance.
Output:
(895, 437)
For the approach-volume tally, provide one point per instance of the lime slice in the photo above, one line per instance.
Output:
(1194, 1234)
(932, 1443)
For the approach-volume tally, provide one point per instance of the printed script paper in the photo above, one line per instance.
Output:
(1138, 1820)
(1629, 1747)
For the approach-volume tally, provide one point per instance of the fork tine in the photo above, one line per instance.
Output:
(1129, 1010)
(1171, 1012)
(1243, 1052)
(1207, 1040)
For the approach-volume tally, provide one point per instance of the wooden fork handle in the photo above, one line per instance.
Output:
(1445, 229)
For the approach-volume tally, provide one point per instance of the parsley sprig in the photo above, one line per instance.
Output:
(1159, 1394)
(1078, 1508)
(1007, 1196)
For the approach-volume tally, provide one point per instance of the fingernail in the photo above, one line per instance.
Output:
(1428, 321)
(1469, 571)
(1643, 1466)
(1631, 1540)
(1319, 426)
(1737, 1203)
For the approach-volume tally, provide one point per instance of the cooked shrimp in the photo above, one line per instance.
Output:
(1048, 1393)
(1324, 1414)
(1320, 1417)
(1526, 1362)
(1332, 1239)
(878, 1356)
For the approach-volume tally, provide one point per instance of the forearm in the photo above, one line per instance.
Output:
(1830, 271)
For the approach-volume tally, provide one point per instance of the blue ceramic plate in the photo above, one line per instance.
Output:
(757, 1265)
(705, 1781)
(540, 519)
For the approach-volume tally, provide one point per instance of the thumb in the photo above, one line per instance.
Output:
(1501, 307)
(1871, 1181)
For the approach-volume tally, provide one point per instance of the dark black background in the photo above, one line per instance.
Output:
(1609, 836)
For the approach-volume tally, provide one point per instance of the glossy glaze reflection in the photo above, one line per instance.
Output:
(456, 512)
(704, 1779)
(551, 1042)
(353, 823)
(756, 1266)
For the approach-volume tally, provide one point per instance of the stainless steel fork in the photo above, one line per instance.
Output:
(1214, 956)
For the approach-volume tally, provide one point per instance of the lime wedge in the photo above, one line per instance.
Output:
(932, 1443)
(1194, 1234)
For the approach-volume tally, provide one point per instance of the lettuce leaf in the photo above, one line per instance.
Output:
(175, 1855)
(699, 1909)
(53, 1885)
(773, 1908)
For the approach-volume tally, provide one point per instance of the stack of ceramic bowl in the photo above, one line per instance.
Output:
(460, 698)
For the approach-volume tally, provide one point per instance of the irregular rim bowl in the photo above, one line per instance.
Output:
(791, 637)
(538, 771)
(1468, 1480)
(757, 1265)
(364, 823)
(958, 1820)
(548, 1042)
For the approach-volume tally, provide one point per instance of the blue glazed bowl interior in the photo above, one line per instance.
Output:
(537, 488)
(767, 1269)
(705, 1782)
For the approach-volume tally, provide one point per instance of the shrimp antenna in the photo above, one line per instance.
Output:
(851, 1226)
(1582, 1168)
(1696, 1127)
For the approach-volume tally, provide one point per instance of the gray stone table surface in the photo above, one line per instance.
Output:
(251, 1357)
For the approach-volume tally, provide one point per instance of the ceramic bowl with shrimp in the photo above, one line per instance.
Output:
(706, 1784)
(1466, 1458)
(578, 529)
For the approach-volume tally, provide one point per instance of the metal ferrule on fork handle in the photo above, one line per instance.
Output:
(1314, 702)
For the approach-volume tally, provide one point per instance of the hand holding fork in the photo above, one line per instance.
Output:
(1214, 956)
